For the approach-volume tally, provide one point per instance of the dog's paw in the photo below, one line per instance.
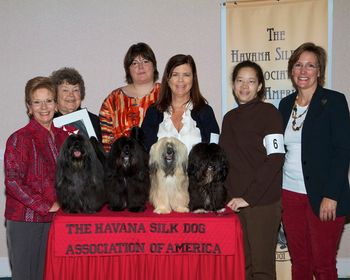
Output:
(200, 211)
(222, 210)
(162, 210)
(181, 209)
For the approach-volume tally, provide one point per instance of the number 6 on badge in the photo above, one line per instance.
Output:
(274, 144)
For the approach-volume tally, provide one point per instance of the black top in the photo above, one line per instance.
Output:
(205, 119)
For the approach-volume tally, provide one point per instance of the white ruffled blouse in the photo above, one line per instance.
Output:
(189, 133)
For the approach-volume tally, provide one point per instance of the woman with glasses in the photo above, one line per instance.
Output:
(30, 163)
(126, 106)
(180, 111)
(70, 89)
(316, 194)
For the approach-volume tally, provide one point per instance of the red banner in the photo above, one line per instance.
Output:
(113, 233)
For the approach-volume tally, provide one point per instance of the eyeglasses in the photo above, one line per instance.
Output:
(38, 103)
(307, 65)
(137, 63)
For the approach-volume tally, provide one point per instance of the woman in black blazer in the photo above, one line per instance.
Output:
(316, 194)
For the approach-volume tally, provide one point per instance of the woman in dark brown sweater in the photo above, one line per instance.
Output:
(252, 137)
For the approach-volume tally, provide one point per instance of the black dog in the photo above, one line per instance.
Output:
(100, 152)
(79, 177)
(207, 171)
(127, 173)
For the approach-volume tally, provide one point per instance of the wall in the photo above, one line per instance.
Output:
(341, 82)
(38, 37)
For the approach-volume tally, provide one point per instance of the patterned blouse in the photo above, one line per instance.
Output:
(119, 113)
(30, 167)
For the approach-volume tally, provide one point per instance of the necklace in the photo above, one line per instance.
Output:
(295, 117)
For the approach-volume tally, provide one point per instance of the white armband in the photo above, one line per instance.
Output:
(274, 144)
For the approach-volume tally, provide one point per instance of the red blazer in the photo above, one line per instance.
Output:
(30, 167)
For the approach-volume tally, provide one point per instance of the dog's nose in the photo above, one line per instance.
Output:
(169, 150)
(211, 167)
(126, 150)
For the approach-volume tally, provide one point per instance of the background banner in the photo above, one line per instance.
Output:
(267, 32)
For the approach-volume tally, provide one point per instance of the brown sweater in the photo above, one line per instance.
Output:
(253, 175)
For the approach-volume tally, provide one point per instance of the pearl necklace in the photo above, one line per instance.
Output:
(295, 117)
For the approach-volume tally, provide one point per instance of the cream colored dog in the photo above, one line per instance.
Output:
(168, 173)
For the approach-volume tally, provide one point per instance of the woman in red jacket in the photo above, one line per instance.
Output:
(30, 163)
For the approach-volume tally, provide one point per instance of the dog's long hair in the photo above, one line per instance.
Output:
(100, 152)
(168, 172)
(207, 171)
(127, 173)
(79, 177)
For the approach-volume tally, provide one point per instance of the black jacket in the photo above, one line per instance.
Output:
(325, 150)
(205, 119)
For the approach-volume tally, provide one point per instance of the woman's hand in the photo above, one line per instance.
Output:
(328, 209)
(54, 208)
(236, 203)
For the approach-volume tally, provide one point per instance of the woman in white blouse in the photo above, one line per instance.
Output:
(180, 111)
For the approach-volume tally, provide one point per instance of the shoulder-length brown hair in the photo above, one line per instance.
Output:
(165, 97)
(321, 56)
(143, 50)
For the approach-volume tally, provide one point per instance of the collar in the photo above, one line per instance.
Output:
(249, 104)
(34, 125)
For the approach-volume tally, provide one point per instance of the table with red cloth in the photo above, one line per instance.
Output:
(136, 246)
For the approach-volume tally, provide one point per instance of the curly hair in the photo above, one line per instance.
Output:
(70, 76)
